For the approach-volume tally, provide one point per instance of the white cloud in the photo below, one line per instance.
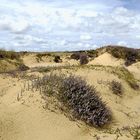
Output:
(63, 24)
(13, 25)
(122, 43)
(85, 36)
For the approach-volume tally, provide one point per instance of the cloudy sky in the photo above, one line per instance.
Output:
(58, 25)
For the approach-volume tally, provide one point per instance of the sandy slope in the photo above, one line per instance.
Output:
(26, 119)
(135, 69)
(107, 60)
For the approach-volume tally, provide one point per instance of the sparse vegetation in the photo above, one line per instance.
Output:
(92, 53)
(9, 55)
(23, 67)
(78, 96)
(76, 55)
(57, 59)
(130, 55)
(83, 59)
(116, 87)
(39, 56)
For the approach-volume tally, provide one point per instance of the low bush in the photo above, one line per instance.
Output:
(131, 57)
(92, 53)
(9, 55)
(76, 95)
(57, 59)
(116, 87)
(76, 55)
(83, 59)
(23, 67)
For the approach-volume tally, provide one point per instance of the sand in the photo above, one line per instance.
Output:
(23, 115)
(106, 59)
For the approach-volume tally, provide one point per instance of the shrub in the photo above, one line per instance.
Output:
(9, 55)
(83, 59)
(84, 102)
(116, 87)
(23, 67)
(92, 53)
(76, 95)
(131, 57)
(76, 56)
(57, 59)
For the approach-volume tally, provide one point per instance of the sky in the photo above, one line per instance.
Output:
(58, 25)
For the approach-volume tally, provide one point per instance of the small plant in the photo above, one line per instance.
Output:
(83, 59)
(116, 87)
(76, 56)
(23, 67)
(57, 59)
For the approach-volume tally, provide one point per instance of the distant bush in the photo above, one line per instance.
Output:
(76, 95)
(9, 55)
(83, 59)
(130, 55)
(76, 55)
(23, 67)
(39, 56)
(116, 87)
(57, 59)
(92, 53)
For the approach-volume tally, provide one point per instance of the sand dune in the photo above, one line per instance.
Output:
(107, 60)
(23, 115)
